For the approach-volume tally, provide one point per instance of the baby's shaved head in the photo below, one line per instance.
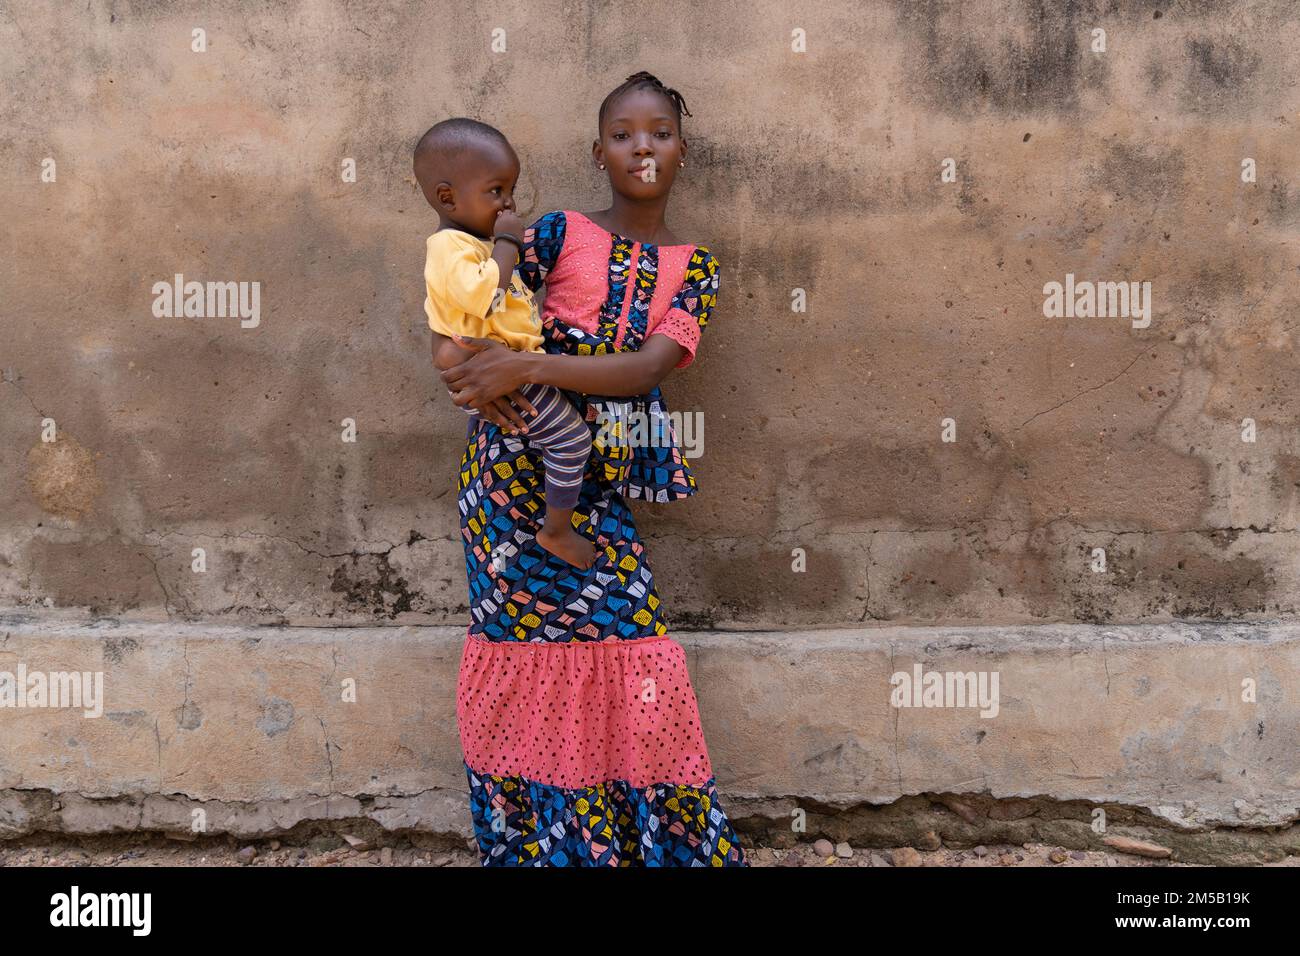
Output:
(452, 144)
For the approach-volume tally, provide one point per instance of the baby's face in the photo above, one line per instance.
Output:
(484, 187)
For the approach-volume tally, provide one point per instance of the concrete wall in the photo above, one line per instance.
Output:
(1096, 732)
(818, 171)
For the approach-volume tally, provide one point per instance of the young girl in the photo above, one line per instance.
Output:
(577, 717)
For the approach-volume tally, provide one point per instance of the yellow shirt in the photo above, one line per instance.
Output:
(460, 280)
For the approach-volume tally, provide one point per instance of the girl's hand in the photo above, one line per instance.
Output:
(489, 382)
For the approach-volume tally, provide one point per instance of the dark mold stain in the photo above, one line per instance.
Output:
(369, 583)
(1046, 71)
(1225, 63)
(1206, 588)
(690, 620)
(1283, 204)
(1220, 75)
(116, 648)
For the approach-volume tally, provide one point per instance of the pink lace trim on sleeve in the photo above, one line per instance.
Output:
(682, 328)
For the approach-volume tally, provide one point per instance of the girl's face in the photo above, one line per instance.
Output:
(640, 144)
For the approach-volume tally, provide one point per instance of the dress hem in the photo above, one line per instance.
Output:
(521, 822)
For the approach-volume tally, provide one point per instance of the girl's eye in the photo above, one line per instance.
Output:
(620, 135)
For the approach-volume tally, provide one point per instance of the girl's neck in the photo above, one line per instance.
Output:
(639, 221)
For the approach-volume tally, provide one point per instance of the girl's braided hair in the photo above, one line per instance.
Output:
(643, 80)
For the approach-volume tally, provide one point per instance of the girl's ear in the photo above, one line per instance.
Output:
(597, 153)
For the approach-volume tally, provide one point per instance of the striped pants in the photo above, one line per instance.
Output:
(562, 438)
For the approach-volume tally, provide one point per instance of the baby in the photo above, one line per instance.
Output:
(467, 171)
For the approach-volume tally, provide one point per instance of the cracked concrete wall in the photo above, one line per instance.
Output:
(818, 170)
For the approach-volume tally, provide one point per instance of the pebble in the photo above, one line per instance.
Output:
(386, 856)
(981, 851)
(905, 856)
(1006, 859)
(1244, 809)
(357, 843)
(929, 841)
(1058, 856)
(844, 851)
(961, 809)
(1138, 847)
(823, 848)
(246, 855)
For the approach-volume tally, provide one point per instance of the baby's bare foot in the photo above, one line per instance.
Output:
(566, 543)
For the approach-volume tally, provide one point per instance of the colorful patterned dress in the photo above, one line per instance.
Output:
(577, 717)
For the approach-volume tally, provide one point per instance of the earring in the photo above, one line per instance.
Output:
(682, 164)
(600, 165)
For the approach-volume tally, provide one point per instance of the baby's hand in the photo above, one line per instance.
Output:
(509, 224)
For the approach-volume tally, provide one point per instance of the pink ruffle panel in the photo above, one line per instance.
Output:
(581, 713)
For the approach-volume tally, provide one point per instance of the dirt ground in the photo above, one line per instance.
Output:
(330, 850)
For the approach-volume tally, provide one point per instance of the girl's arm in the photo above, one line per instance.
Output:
(497, 371)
